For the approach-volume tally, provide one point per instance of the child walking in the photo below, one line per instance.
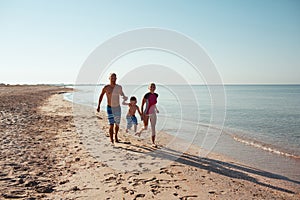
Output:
(130, 117)
(150, 100)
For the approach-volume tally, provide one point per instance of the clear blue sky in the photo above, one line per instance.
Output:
(249, 41)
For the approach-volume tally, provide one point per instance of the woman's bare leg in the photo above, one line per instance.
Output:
(145, 119)
(153, 119)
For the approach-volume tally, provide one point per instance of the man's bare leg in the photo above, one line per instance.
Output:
(116, 132)
(111, 133)
(153, 139)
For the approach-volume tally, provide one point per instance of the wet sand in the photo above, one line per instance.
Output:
(51, 151)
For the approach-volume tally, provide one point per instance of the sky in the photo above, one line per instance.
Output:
(249, 41)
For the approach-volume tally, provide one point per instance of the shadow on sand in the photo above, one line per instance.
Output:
(231, 170)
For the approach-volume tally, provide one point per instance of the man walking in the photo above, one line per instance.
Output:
(113, 92)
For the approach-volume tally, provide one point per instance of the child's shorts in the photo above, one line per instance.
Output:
(131, 120)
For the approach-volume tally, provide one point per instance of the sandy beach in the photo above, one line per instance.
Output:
(52, 150)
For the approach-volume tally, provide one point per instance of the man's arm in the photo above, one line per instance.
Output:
(100, 98)
(124, 103)
(122, 94)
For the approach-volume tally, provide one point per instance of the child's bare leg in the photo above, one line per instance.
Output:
(111, 132)
(135, 128)
(128, 119)
(127, 128)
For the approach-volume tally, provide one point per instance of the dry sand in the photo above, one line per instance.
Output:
(51, 151)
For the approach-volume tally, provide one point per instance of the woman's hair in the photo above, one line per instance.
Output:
(152, 84)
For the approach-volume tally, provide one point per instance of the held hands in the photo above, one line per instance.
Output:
(124, 101)
(125, 98)
(98, 109)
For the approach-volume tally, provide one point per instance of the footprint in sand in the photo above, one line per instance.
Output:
(110, 179)
(139, 196)
(107, 151)
(140, 164)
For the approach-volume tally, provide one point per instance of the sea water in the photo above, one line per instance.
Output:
(258, 125)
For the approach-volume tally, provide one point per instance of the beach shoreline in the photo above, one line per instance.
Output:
(239, 144)
(76, 170)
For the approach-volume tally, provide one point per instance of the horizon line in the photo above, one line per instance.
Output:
(179, 84)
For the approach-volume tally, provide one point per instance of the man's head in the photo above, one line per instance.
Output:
(113, 78)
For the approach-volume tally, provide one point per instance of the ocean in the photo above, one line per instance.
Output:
(258, 125)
